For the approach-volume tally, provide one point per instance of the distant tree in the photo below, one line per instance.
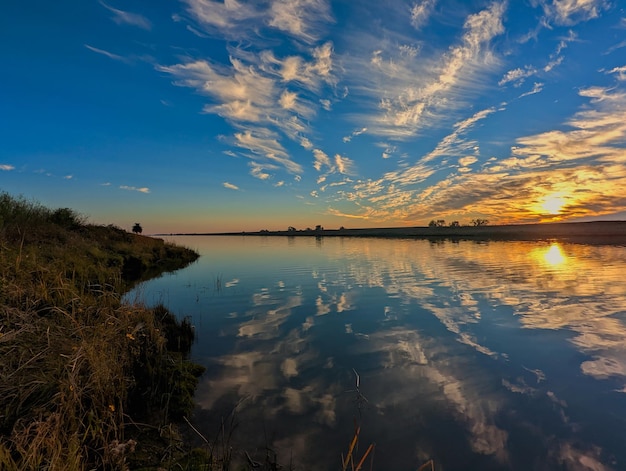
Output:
(480, 222)
(455, 224)
(319, 228)
(137, 229)
(437, 223)
(342, 228)
(291, 229)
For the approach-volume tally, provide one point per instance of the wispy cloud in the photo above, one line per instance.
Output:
(265, 143)
(259, 92)
(230, 186)
(537, 88)
(134, 188)
(6, 167)
(260, 170)
(414, 94)
(354, 134)
(124, 17)
(570, 12)
(420, 12)
(301, 19)
(108, 54)
(518, 75)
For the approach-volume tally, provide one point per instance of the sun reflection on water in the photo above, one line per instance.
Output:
(554, 256)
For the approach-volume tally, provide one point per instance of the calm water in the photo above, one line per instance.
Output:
(482, 356)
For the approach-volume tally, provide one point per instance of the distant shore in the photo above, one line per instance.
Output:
(598, 232)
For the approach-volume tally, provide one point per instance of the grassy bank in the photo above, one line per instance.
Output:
(86, 381)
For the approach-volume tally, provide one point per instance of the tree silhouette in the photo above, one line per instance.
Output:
(480, 222)
(137, 229)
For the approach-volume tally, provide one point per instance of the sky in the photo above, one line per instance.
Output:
(211, 116)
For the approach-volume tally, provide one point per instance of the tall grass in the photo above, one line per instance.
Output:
(85, 380)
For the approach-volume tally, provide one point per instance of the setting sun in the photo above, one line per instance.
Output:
(553, 204)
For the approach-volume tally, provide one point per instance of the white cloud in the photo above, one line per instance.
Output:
(252, 95)
(468, 160)
(134, 188)
(413, 95)
(263, 142)
(344, 164)
(619, 71)
(517, 75)
(6, 167)
(321, 160)
(354, 134)
(108, 54)
(260, 170)
(571, 12)
(230, 186)
(303, 19)
(420, 12)
(225, 17)
(454, 143)
(124, 17)
(537, 88)
(68, 177)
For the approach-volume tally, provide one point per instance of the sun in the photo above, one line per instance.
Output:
(553, 204)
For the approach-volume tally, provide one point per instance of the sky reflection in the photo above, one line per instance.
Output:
(493, 354)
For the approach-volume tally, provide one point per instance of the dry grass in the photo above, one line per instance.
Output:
(78, 365)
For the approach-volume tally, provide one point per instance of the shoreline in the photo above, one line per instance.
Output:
(597, 232)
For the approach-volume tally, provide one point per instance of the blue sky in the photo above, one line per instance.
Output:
(202, 115)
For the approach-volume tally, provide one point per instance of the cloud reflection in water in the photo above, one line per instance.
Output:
(489, 352)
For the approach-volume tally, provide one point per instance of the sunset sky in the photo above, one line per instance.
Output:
(209, 116)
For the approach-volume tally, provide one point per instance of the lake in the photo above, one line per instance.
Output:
(478, 355)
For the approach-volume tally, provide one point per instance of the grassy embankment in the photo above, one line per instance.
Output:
(86, 381)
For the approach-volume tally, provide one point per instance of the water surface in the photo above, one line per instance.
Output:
(490, 356)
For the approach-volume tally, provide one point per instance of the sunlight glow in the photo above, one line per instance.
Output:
(554, 255)
(553, 204)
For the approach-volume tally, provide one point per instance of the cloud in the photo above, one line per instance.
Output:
(537, 88)
(6, 167)
(413, 95)
(259, 170)
(304, 20)
(619, 71)
(321, 160)
(354, 134)
(134, 188)
(68, 177)
(517, 75)
(263, 142)
(420, 12)
(344, 165)
(454, 143)
(571, 12)
(466, 161)
(259, 92)
(124, 17)
(230, 186)
(108, 54)
(222, 17)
